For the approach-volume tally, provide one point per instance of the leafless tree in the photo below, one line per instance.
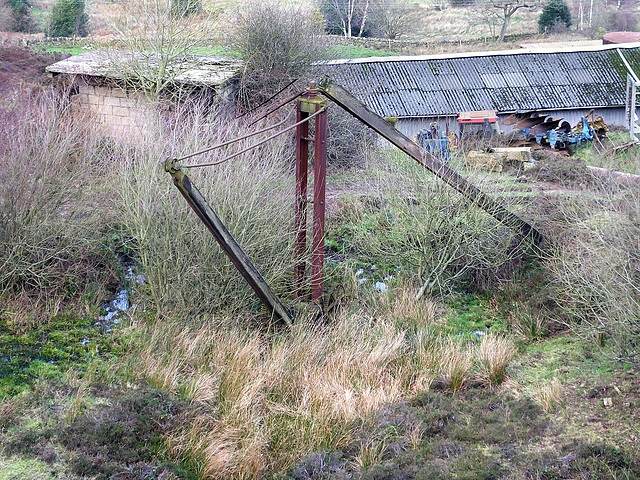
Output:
(345, 16)
(487, 18)
(278, 45)
(507, 8)
(392, 19)
(155, 38)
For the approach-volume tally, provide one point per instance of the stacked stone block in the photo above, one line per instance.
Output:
(118, 111)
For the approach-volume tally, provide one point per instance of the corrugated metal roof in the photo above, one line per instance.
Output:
(438, 86)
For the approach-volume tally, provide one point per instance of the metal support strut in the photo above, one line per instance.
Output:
(495, 208)
(213, 223)
(310, 103)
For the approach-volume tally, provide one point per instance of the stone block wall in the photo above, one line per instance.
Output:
(117, 111)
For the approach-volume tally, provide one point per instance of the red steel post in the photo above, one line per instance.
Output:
(302, 177)
(319, 184)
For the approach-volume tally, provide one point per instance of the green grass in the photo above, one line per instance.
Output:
(70, 49)
(469, 314)
(353, 51)
(627, 161)
(49, 349)
(98, 431)
(19, 468)
(567, 358)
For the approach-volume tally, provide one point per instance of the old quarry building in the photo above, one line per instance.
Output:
(413, 91)
(104, 87)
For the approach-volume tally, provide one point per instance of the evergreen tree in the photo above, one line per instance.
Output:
(554, 14)
(22, 21)
(68, 18)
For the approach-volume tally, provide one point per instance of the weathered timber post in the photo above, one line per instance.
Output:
(493, 207)
(310, 103)
(226, 241)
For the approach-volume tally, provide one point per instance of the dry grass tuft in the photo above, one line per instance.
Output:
(370, 453)
(527, 326)
(493, 356)
(263, 402)
(9, 410)
(454, 364)
(549, 395)
(410, 312)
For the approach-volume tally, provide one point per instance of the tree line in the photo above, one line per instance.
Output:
(389, 19)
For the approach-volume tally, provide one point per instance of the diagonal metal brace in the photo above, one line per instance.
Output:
(226, 241)
(495, 208)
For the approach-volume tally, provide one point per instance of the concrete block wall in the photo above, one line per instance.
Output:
(117, 111)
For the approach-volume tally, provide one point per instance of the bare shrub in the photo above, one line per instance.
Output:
(595, 270)
(393, 19)
(54, 209)
(6, 18)
(426, 225)
(158, 38)
(626, 18)
(493, 357)
(278, 46)
(349, 141)
(188, 273)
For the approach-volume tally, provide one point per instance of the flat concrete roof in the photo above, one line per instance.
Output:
(197, 70)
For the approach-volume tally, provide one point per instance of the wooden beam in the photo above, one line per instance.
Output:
(226, 241)
(496, 209)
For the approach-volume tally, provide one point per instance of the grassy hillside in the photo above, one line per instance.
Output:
(435, 25)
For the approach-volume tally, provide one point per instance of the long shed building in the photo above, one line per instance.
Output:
(420, 90)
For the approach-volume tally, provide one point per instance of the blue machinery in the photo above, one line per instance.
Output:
(435, 142)
(556, 132)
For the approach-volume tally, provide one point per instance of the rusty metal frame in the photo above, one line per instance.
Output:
(310, 103)
(313, 103)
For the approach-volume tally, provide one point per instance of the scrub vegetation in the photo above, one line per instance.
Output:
(448, 347)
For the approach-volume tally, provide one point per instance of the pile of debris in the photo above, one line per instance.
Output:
(556, 133)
